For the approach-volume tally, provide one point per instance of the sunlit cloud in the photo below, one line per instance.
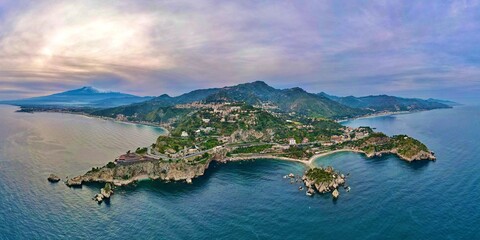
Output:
(155, 47)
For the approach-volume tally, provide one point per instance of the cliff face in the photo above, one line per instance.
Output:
(405, 147)
(421, 155)
(125, 174)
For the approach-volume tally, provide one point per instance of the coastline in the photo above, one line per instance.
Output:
(151, 124)
(177, 171)
(320, 155)
(382, 114)
(260, 157)
(307, 162)
(19, 109)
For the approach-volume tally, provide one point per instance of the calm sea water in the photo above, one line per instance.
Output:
(390, 198)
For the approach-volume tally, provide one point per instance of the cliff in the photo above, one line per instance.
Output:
(405, 147)
(421, 155)
(126, 174)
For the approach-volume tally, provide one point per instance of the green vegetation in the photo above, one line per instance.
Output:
(108, 187)
(111, 165)
(149, 111)
(252, 149)
(313, 129)
(297, 152)
(141, 150)
(319, 175)
(161, 109)
(408, 146)
(387, 103)
(210, 143)
(377, 142)
(173, 144)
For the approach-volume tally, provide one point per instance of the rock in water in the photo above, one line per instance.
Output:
(74, 182)
(107, 190)
(335, 193)
(105, 193)
(189, 180)
(310, 192)
(53, 178)
(98, 198)
(291, 175)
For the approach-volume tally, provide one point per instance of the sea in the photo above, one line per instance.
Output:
(389, 198)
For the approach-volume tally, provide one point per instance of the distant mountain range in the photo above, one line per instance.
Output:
(287, 100)
(292, 100)
(382, 103)
(82, 97)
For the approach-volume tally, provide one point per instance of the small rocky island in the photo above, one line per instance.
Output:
(323, 180)
(53, 178)
(104, 194)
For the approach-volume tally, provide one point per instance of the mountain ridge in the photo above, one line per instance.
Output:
(86, 96)
(383, 102)
(254, 93)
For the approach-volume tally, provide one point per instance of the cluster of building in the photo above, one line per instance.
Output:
(199, 105)
(131, 157)
(350, 134)
(121, 117)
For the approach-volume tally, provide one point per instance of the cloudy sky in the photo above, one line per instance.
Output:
(406, 48)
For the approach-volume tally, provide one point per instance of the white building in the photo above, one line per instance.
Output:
(184, 134)
(292, 141)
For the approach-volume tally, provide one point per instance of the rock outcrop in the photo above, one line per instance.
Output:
(53, 178)
(126, 174)
(335, 193)
(421, 155)
(104, 194)
(323, 180)
(405, 147)
(75, 182)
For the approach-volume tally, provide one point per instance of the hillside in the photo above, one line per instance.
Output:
(381, 103)
(82, 97)
(294, 100)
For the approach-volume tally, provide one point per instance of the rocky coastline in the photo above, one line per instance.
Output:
(422, 155)
(121, 175)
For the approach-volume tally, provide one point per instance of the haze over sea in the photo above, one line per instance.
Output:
(390, 198)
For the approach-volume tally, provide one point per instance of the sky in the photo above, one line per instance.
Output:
(404, 48)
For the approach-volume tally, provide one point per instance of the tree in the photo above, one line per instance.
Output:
(111, 165)
(107, 187)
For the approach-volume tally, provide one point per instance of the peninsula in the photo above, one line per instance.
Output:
(202, 132)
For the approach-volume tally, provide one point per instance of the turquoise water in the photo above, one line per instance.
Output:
(390, 198)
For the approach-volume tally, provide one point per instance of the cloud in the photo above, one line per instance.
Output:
(155, 47)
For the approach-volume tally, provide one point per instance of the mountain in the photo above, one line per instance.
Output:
(82, 97)
(446, 102)
(285, 100)
(381, 103)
